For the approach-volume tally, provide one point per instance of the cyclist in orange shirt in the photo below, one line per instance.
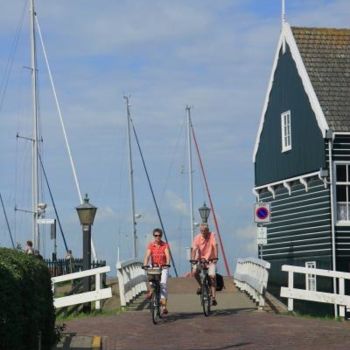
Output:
(158, 252)
(204, 246)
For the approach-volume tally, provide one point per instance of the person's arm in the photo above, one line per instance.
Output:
(215, 246)
(194, 251)
(167, 255)
(147, 256)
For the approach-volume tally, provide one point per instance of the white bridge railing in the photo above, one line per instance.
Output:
(132, 280)
(312, 295)
(251, 276)
(85, 297)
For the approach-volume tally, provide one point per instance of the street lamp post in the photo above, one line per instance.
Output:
(86, 213)
(204, 212)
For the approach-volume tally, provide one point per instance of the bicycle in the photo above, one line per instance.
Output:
(205, 295)
(154, 274)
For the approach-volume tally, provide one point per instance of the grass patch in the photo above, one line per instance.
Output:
(93, 313)
(314, 317)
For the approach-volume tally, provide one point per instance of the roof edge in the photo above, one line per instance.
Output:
(287, 37)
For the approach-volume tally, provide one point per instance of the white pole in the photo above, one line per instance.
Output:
(131, 181)
(35, 182)
(63, 128)
(283, 15)
(60, 115)
(189, 141)
(330, 159)
(283, 22)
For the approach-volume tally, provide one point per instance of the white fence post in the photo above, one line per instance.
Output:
(98, 288)
(290, 286)
(341, 292)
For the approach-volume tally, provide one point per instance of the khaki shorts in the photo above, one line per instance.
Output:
(211, 269)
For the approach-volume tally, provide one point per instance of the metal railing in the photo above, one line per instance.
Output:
(251, 276)
(61, 267)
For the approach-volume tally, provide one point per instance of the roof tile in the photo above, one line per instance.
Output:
(326, 56)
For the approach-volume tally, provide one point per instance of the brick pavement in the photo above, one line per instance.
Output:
(230, 329)
(235, 323)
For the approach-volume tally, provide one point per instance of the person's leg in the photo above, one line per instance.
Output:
(196, 273)
(149, 290)
(164, 289)
(212, 275)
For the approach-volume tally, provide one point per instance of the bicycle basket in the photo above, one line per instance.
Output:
(154, 274)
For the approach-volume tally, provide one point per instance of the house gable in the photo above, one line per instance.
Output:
(292, 91)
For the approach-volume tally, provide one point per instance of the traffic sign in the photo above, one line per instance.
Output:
(262, 213)
(261, 235)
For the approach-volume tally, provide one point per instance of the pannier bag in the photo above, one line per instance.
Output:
(219, 282)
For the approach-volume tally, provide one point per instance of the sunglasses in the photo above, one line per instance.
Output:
(157, 235)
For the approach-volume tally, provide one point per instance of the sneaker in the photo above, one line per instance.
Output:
(214, 302)
(165, 311)
(199, 291)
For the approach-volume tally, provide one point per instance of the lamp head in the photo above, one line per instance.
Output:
(204, 212)
(86, 212)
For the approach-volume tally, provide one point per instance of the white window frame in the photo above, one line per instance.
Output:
(310, 279)
(286, 131)
(342, 221)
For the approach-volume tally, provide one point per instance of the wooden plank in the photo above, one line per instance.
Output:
(320, 297)
(83, 298)
(75, 275)
(318, 272)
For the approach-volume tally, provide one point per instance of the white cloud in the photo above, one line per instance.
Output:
(176, 203)
(247, 238)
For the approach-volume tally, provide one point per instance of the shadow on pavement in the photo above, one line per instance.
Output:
(70, 341)
(231, 346)
(174, 317)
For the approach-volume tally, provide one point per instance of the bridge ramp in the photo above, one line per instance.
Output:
(183, 298)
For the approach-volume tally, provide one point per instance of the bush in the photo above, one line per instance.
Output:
(26, 302)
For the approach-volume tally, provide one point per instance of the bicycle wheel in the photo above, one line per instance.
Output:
(155, 306)
(205, 297)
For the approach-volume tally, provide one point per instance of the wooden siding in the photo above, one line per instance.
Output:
(299, 231)
(308, 152)
(300, 223)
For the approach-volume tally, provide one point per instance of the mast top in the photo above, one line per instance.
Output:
(283, 13)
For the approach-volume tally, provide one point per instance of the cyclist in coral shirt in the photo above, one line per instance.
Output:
(158, 252)
(204, 246)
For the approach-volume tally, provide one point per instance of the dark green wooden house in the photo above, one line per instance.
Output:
(302, 155)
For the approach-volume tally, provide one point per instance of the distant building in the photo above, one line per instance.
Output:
(302, 155)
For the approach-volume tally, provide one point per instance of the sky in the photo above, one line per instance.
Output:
(215, 56)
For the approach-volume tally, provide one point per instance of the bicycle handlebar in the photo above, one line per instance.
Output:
(205, 261)
(145, 267)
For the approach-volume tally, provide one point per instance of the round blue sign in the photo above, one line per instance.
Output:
(262, 213)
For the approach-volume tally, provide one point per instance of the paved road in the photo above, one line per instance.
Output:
(234, 324)
(231, 329)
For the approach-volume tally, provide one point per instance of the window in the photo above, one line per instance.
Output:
(310, 279)
(286, 129)
(342, 176)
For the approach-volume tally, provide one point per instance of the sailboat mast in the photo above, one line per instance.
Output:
(35, 182)
(189, 141)
(131, 181)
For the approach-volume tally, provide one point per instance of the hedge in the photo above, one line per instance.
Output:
(26, 299)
